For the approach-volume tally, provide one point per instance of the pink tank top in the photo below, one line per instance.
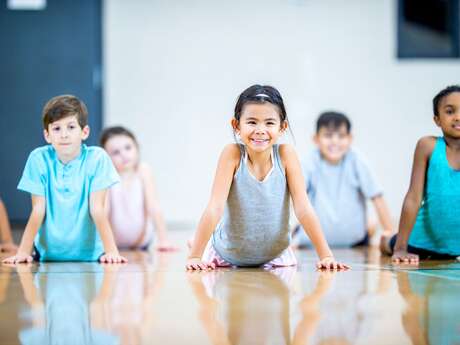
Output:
(128, 213)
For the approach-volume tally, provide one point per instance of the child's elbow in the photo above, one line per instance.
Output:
(412, 200)
(302, 212)
(215, 211)
(97, 211)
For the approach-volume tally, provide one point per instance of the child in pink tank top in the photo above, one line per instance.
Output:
(132, 205)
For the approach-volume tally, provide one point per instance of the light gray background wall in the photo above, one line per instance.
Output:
(174, 68)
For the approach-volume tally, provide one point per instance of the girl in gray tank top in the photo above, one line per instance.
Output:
(255, 227)
(246, 222)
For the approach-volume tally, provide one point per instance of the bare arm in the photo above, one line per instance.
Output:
(413, 198)
(33, 224)
(98, 213)
(5, 229)
(153, 207)
(6, 238)
(303, 209)
(226, 167)
(384, 215)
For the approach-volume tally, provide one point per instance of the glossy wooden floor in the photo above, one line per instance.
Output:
(152, 300)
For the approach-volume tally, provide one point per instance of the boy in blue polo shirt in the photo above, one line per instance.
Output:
(68, 182)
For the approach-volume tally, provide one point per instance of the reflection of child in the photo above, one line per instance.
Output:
(133, 203)
(339, 183)
(239, 306)
(65, 299)
(429, 300)
(6, 239)
(126, 304)
(67, 181)
(246, 222)
(429, 225)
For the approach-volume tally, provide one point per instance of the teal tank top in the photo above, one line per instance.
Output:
(255, 225)
(437, 227)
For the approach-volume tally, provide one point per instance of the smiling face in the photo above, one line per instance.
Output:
(259, 126)
(448, 118)
(333, 143)
(123, 151)
(66, 136)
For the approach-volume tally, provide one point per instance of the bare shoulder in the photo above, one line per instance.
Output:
(425, 146)
(231, 152)
(145, 170)
(287, 153)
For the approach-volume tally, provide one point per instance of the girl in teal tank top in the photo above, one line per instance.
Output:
(430, 222)
(437, 227)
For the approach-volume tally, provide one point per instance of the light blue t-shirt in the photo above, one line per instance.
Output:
(338, 193)
(68, 232)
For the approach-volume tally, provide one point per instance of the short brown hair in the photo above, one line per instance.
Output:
(63, 106)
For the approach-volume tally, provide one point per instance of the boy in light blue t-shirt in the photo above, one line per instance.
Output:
(68, 182)
(339, 183)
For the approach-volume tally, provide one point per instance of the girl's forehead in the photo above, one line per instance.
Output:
(260, 110)
(119, 139)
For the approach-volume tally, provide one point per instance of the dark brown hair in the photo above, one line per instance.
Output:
(333, 120)
(261, 94)
(110, 132)
(63, 106)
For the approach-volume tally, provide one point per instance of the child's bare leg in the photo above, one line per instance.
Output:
(385, 247)
(371, 227)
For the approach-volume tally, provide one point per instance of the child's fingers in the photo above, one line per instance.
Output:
(7, 261)
(414, 259)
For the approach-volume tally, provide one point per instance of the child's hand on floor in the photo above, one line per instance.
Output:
(8, 247)
(112, 258)
(404, 257)
(329, 263)
(197, 264)
(18, 258)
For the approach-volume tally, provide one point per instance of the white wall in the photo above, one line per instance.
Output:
(174, 68)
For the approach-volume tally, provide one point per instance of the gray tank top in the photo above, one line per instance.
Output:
(255, 227)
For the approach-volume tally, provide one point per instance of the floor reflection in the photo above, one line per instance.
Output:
(154, 300)
(125, 304)
(86, 303)
(244, 306)
(432, 314)
(59, 304)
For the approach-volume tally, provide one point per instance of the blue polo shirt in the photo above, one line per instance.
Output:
(68, 232)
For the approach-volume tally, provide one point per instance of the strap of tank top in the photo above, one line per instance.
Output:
(277, 158)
